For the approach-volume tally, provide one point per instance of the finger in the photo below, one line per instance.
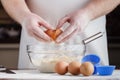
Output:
(46, 25)
(66, 32)
(62, 22)
(40, 33)
(69, 36)
(38, 38)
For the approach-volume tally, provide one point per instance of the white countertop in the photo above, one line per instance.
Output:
(34, 74)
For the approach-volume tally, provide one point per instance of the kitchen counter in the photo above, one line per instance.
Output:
(34, 74)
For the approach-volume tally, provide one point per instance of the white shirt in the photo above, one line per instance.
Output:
(52, 11)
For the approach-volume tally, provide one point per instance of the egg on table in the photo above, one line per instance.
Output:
(74, 68)
(61, 67)
(87, 68)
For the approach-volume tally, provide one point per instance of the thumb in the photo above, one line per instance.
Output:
(45, 24)
(62, 22)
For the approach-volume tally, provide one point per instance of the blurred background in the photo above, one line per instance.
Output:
(10, 37)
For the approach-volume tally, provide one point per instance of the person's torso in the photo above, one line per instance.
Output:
(53, 10)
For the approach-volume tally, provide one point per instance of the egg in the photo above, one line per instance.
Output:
(53, 33)
(49, 32)
(61, 67)
(87, 68)
(74, 68)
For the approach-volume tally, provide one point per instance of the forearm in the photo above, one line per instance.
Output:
(97, 8)
(17, 9)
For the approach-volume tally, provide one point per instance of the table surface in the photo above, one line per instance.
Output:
(34, 74)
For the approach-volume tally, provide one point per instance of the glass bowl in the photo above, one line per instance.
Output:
(46, 56)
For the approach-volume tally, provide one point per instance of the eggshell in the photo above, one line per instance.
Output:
(49, 32)
(53, 33)
(74, 68)
(61, 67)
(87, 68)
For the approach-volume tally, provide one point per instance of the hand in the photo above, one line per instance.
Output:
(77, 20)
(33, 24)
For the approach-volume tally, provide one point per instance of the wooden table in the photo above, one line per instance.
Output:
(34, 74)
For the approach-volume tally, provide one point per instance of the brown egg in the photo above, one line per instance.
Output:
(87, 68)
(61, 67)
(74, 68)
(49, 32)
(53, 33)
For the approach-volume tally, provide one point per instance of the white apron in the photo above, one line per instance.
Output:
(52, 11)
